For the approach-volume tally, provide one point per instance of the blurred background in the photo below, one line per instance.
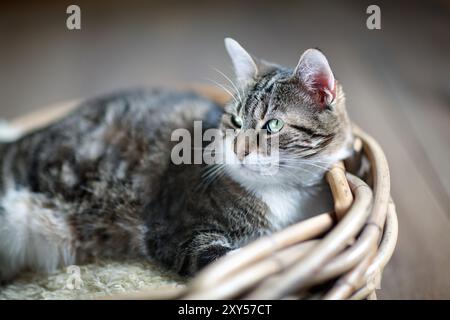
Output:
(396, 79)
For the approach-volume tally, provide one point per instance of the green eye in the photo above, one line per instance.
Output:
(237, 121)
(275, 125)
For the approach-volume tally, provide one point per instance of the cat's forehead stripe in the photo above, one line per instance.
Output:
(259, 93)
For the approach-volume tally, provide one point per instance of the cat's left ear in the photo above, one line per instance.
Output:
(315, 74)
(244, 65)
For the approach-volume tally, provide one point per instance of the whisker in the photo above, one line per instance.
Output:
(224, 88)
(211, 175)
(294, 162)
(232, 83)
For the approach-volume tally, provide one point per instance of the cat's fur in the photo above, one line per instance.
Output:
(101, 182)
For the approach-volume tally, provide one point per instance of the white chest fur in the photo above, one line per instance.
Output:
(287, 206)
(284, 206)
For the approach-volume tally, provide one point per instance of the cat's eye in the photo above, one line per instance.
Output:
(237, 121)
(274, 125)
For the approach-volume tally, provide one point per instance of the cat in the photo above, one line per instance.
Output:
(101, 182)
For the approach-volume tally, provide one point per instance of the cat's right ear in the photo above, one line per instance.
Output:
(244, 65)
(315, 73)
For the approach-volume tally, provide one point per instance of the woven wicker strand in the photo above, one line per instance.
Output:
(374, 227)
(385, 251)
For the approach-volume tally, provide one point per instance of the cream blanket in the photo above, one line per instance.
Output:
(103, 278)
(97, 280)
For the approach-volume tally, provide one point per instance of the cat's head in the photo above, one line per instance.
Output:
(303, 108)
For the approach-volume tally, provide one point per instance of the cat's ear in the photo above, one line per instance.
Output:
(244, 66)
(316, 76)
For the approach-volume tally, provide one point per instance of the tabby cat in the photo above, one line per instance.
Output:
(101, 182)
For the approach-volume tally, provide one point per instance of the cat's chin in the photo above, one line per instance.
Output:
(256, 177)
(259, 170)
(244, 171)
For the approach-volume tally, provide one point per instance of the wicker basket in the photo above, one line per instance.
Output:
(339, 255)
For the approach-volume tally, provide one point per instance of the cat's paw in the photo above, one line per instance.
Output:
(211, 254)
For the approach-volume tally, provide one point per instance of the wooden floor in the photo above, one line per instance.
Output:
(396, 80)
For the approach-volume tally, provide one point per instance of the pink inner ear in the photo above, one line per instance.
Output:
(325, 87)
(316, 75)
